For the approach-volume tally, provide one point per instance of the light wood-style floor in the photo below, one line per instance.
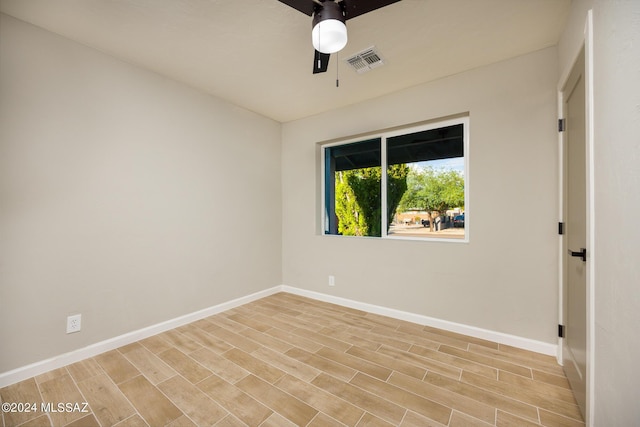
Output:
(286, 360)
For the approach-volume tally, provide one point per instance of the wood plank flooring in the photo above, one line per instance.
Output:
(285, 360)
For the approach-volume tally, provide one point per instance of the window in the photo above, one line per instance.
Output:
(408, 183)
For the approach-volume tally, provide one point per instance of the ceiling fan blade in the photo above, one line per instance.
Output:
(304, 6)
(320, 62)
(354, 8)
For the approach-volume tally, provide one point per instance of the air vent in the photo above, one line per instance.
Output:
(365, 61)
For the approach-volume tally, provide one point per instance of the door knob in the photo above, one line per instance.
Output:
(581, 254)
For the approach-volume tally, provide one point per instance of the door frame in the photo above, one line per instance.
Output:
(587, 44)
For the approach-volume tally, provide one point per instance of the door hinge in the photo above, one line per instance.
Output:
(561, 331)
(561, 125)
(561, 228)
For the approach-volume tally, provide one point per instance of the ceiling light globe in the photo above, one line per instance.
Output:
(329, 36)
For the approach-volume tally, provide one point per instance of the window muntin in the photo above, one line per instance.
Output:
(422, 193)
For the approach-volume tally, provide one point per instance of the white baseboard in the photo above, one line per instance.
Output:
(499, 337)
(38, 368)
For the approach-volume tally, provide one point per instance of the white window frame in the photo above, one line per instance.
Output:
(384, 135)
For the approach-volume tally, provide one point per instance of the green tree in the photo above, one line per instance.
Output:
(396, 188)
(358, 198)
(365, 184)
(350, 218)
(434, 191)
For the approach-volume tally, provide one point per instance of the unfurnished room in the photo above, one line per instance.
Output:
(319, 213)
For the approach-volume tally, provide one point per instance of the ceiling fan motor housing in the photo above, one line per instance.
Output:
(331, 20)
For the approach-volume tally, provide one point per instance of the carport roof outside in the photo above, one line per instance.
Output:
(433, 144)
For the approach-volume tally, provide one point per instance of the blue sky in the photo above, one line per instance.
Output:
(456, 163)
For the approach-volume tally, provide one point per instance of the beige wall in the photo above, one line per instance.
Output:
(123, 196)
(617, 201)
(616, 125)
(506, 278)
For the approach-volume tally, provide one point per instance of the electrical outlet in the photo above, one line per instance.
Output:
(332, 280)
(74, 323)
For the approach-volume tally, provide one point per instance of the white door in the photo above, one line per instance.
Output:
(574, 247)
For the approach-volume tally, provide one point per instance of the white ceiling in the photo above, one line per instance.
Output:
(257, 53)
